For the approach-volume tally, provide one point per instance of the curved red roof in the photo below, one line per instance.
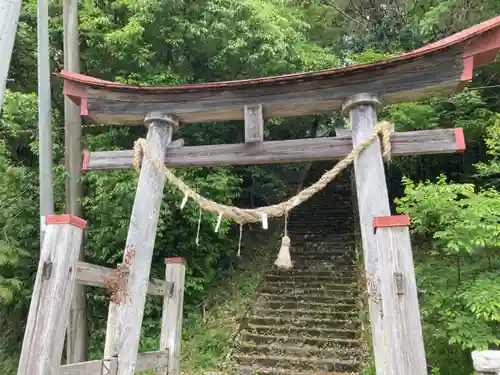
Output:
(460, 37)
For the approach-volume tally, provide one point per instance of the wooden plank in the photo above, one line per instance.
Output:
(254, 123)
(373, 201)
(93, 275)
(407, 81)
(110, 349)
(157, 360)
(398, 288)
(171, 321)
(140, 241)
(51, 299)
(486, 361)
(422, 142)
(100, 367)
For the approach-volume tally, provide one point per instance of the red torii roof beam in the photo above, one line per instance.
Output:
(445, 66)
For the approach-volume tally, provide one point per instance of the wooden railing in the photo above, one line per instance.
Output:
(45, 329)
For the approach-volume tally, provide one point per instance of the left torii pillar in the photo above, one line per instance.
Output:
(140, 243)
(51, 299)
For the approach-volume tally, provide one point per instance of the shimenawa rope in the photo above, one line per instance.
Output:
(252, 215)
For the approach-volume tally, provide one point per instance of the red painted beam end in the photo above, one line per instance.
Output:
(460, 139)
(174, 260)
(390, 221)
(85, 162)
(66, 219)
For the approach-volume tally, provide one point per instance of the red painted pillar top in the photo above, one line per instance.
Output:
(390, 221)
(175, 260)
(65, 219)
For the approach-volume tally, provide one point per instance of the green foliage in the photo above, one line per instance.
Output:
(458, 317)
(491, 169)
(457, 217)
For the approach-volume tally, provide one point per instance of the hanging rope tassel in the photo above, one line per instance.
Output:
(284, 259)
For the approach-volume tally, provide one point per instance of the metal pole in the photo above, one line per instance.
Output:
(9, 17)
(44, 116)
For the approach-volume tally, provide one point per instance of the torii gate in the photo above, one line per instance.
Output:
(445, 66)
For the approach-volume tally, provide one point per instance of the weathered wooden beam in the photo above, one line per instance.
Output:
(171, 321)
(254, 123)
(422, 142)
(486, 362)
(93, 275)
(100, 367)
(145, 361)
(141, 239)
(373, 201)
(51, 299)
(398, 290)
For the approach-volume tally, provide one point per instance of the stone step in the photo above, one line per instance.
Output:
(329, 333)
(328, 214)
(285, 283)
(295, 363)
(246, 370)
(293, 297)
(313, 240)
(307, 260)
(314, 314)
(314, 271)
(340, 226)
(346, 259)
(275, 349)
(306, 322)
(343, 203)
(326, 278)
(305, 291)
(299, 340)
(340, 251)
(304, 305)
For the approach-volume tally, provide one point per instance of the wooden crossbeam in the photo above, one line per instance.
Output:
(422, 142)
(93, 275)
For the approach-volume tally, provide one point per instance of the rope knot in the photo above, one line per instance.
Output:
(139, 147)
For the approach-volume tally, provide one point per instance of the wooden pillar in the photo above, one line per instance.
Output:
(141, 240)
(51, 299)
(373, 201)
(398, 289)
(171, 321)
(77, 335)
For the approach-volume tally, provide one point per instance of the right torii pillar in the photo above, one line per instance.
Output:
(398, 345)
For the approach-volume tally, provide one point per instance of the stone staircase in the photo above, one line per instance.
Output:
(305, 320)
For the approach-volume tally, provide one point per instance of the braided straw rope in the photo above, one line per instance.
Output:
(242, 216)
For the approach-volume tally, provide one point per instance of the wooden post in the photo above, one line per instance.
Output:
(110, 349)
(398, 289)
(254, 123)
(373, 200)
(141, 239)
(77, 335)
(171, 321)
(50, 302)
